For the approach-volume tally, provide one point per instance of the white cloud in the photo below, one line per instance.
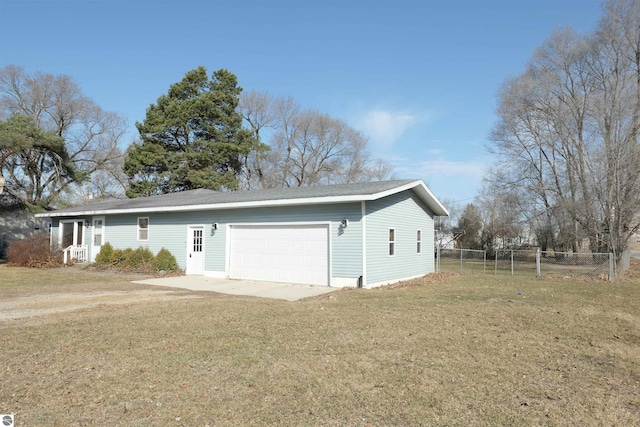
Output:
(439, 168)
(384, 128)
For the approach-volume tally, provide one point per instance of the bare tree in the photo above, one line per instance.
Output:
(618, 121)
(542, 139)
(109, 182)
(260, 113)
(305, 147)
(502, 218)
(568, 133)
(56, 104)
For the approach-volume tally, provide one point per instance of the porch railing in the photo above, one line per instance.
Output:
(77, 252)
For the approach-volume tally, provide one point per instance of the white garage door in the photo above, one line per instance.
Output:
(290, 254)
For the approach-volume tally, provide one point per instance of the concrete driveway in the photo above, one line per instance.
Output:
(284, 291)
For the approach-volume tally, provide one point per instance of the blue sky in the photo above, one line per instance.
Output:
(419, 78)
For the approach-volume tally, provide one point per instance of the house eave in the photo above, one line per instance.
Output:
(418, 186)
(206, 207)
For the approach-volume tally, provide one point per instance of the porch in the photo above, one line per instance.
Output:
(75, 237)
(75, 252)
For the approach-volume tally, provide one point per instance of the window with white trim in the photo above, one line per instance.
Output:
(392, 241)
(419, 242)
(143, 229)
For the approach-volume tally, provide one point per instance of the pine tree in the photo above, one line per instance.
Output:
(191, 138)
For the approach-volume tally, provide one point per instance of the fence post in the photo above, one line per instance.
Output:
(461, 260)
(484, 269)
(512, 262)
(538, 262)
(495, 265)
(438, 259)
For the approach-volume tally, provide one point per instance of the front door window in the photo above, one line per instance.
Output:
(97, 232)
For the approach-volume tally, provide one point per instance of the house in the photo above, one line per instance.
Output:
(362, 234)
(17, 223)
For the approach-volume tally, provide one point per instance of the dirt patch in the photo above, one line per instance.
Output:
(40, 305)
(420, 281)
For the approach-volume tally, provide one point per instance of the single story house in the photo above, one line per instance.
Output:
(362, 234)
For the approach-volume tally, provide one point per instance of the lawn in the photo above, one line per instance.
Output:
(444, 350)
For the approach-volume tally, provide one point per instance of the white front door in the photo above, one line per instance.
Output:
(98, 236)
(195, 249)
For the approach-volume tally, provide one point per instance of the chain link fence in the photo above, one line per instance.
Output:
(463, 261)
(577, 264)
(525, 263)
(515, 262)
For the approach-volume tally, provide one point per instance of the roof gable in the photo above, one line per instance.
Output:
(204, 199)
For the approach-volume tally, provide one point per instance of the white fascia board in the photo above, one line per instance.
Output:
(419, 186)
(423, 191)
(217, 206)
(432, 201)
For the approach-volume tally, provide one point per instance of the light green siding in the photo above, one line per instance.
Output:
(169, 230)
(345, 252)
(165, 230)
(405, 213)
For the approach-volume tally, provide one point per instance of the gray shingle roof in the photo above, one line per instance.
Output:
(210, 198)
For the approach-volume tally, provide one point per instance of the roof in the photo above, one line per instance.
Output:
(204, 199)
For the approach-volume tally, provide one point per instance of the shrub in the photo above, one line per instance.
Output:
(139, 258)
(34, 252)
(105, 256)
(117, 256)
(124, 257)
(165, 261)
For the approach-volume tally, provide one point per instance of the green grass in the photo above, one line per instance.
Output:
(459, 351)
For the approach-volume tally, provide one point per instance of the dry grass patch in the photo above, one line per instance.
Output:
(17, 281)
(458, 350)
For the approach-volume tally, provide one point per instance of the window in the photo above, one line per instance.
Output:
(197, 240)
(143, 228)
(392, 241)
(419, 242)
(97, 232)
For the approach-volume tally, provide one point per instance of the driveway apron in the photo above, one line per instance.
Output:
(283, 291)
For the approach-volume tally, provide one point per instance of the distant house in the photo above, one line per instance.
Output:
(363, 234)
(444, 240)
(18, 224)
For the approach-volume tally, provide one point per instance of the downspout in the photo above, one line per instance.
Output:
(363, 279)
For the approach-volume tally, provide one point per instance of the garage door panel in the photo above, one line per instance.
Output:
(292, 254)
